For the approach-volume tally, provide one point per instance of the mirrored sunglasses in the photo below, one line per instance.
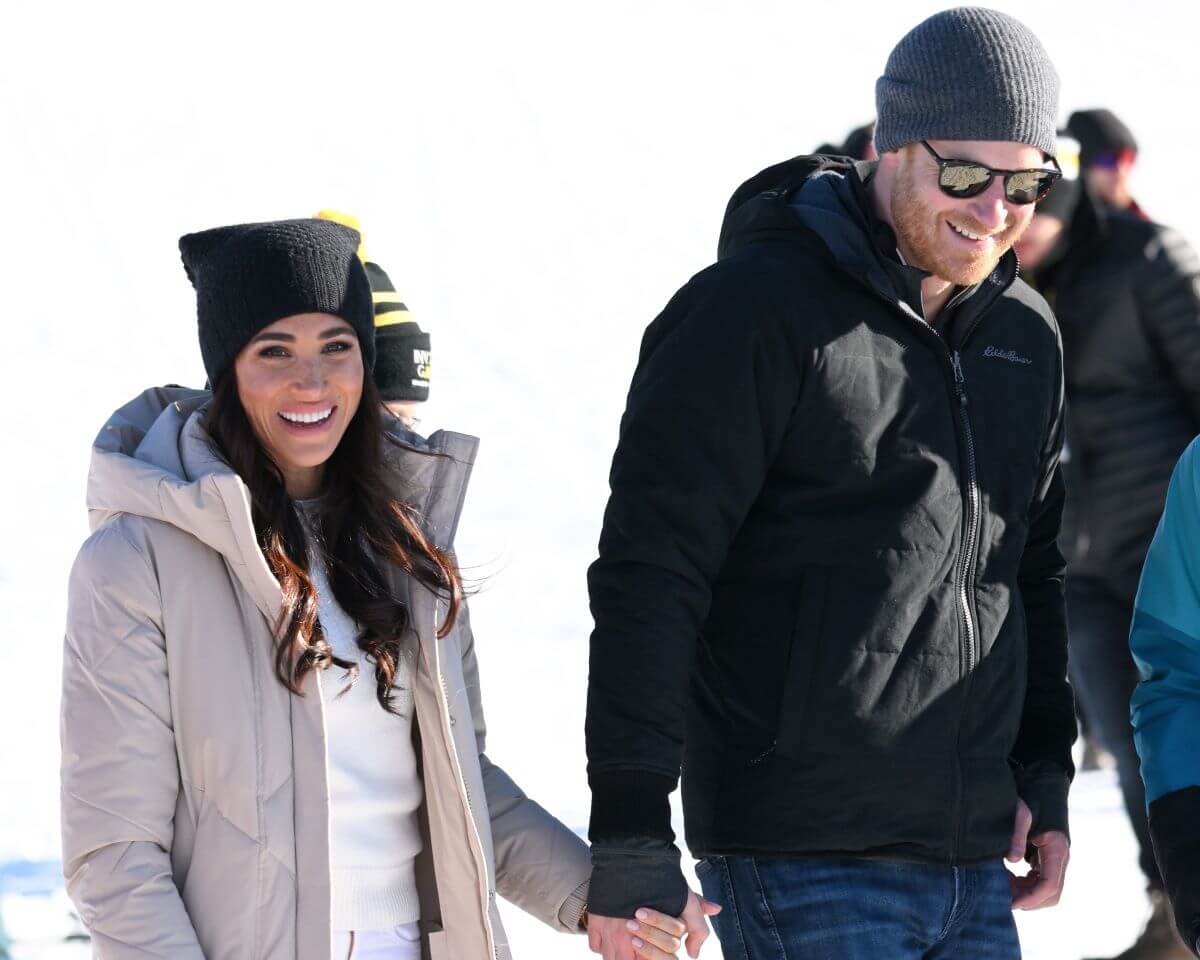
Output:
(965, 178)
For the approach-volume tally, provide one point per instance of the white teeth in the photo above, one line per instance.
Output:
(966, 233)
(315, 417)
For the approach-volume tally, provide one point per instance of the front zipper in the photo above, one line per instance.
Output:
(971, 541)
(967, 561)
(966, 579)
(971, 524)
(466, 787)
(448, 733)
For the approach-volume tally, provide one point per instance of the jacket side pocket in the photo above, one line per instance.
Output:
(807, 633)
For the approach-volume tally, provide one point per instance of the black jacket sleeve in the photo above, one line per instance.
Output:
(1042, 754)
(1173, 829)
(712, 396)
(1168, 294)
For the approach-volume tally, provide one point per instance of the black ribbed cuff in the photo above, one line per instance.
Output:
(636, 874)
(630, 803)
(1173, 829)
(635, 862)
(1044, 788)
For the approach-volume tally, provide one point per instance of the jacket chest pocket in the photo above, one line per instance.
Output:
(1010, 401)
(1009, 438)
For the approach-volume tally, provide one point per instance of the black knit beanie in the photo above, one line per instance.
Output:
(402, 364)
(967, 74)
(249, 275)
(1099, 132)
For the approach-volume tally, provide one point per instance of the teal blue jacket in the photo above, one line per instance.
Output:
(1165, 640)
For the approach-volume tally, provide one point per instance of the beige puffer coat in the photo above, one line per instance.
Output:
(194, 796)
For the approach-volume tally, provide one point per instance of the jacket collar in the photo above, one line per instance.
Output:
(816, 199)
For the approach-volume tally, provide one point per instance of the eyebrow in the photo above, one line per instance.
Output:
(288, 338)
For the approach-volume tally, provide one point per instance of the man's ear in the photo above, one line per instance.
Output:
(893, 160)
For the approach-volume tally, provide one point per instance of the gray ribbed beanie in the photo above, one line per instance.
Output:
(968, 74)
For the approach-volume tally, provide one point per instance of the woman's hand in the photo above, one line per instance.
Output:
(653, 935)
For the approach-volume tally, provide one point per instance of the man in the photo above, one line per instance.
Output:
(1125, 294)
(402, 348)
(1107, 154)
(828, 583)
(1166, 707)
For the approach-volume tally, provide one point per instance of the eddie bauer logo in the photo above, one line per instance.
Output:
(1010, 355)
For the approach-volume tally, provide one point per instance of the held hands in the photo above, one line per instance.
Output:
(1043, 885)
(653, 935)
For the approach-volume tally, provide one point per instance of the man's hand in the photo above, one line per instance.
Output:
(653, 935)
(1043, 885)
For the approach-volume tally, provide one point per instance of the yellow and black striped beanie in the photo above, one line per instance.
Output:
(402, 348)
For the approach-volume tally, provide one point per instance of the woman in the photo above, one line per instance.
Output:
(272, 734)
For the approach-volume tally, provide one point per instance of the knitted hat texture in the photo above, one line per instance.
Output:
(967, 74)
(249, 275)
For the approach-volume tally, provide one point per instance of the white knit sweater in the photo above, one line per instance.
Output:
(374, 787)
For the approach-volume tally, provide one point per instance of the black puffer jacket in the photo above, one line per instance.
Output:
(1127, 297)
(828, 581)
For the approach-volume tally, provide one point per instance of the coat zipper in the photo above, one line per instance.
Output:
(966, 582)
(446, 696)
(972, 521)
(448, 733)
(971, 526)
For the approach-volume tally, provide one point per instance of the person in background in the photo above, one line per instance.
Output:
(859, 145)
(1107, 155)
(1165, 639)
(1125, 294)
(272, 725)
(831, 542)
(403, 361)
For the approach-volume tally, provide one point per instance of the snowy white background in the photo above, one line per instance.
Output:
(537, 178)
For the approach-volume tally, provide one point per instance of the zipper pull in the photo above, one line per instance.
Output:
(959, 380)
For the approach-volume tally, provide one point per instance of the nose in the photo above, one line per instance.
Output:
(310, 376)
(990, 208)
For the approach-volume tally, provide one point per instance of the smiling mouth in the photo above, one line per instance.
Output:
(314, 418)
(967, 234)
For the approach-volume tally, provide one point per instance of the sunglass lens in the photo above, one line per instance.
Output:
(964, 179)
(1028, 186)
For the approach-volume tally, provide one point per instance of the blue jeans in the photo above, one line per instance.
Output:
(832, 908)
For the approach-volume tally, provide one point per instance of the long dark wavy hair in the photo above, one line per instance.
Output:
(361, 526)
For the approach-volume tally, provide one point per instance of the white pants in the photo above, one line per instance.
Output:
(400, 943)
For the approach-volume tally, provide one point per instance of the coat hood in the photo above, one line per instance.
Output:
(154, 459)
(754, 214)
